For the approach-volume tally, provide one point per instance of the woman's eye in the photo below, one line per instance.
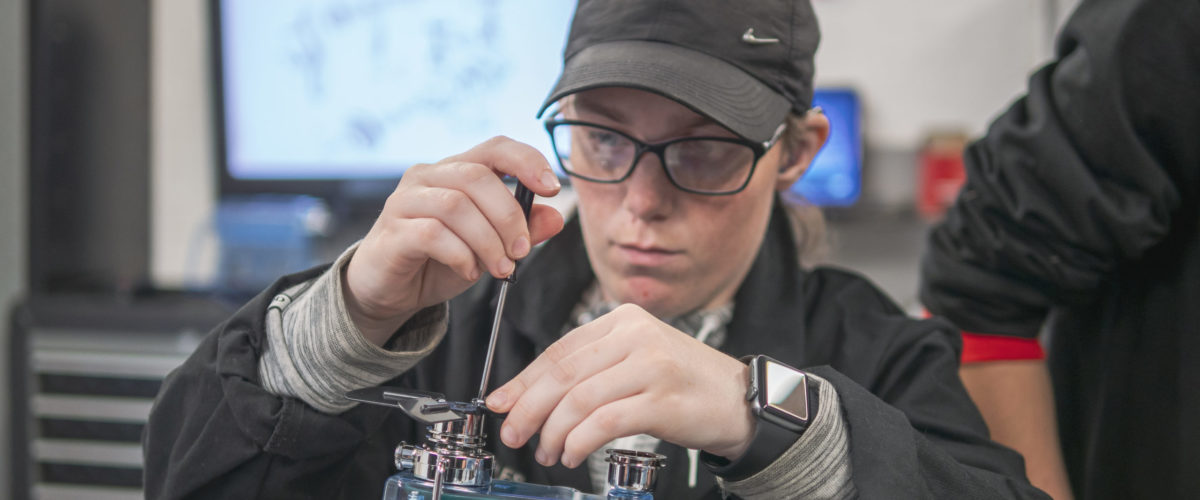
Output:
(601, 138)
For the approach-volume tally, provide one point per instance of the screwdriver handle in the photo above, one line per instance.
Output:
(525, 198)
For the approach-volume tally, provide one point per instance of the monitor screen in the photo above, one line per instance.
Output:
(337, 89)
(321, 96)
(835, 176)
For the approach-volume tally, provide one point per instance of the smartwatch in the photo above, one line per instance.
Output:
(784, 401)
(780, 395)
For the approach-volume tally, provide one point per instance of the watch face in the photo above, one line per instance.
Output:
(785, 391)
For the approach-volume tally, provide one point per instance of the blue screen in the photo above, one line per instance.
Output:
(835, 176)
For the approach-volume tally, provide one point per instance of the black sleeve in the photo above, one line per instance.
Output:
(913, 432)
(1089, 169)
(215, 433)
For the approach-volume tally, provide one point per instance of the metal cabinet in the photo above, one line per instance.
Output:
(85, 371)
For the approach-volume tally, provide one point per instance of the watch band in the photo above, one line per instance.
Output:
(769, 443)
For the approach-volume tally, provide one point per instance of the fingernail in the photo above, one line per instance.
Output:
(497, 400)
(568, 463)
(509, 436)
(540, 456)
(520, 247)
(505, 266)
(550, 180)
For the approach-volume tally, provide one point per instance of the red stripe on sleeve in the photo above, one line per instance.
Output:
(979, 347)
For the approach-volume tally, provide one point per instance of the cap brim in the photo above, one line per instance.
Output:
(706, 84)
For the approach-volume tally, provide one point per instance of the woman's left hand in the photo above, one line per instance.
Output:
(623, 374)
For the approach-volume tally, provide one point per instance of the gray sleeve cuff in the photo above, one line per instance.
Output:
(817, 466)
(315, 353)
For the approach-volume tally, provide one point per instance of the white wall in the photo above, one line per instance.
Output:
(929, 64)
(921, 65)
(12, 192)
(183, 178)
(924, 66)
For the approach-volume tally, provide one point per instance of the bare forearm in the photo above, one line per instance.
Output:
(1016, 400)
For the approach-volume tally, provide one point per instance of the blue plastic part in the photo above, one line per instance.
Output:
(404, 486)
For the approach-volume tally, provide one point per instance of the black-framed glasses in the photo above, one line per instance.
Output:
(700, 165)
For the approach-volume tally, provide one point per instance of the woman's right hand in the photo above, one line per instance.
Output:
(443, 227)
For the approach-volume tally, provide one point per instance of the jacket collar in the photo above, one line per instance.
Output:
(768, 307)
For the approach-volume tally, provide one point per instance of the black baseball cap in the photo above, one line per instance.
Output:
(743, 63)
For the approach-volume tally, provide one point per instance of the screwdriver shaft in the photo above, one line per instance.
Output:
(491, 350)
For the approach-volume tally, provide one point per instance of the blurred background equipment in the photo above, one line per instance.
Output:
(835, 176)
(89, 133)
(85, 370)
(90, 343)
(263, 237)
(940, 173)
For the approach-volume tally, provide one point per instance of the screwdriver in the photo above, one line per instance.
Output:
(525, 199)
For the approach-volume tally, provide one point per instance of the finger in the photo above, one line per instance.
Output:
(502, 400)
(531, 409)
(443, 246)
(614, 383)
(544, 222)
(624, 417)
(492, 197)
(458, 212)
(517, 159)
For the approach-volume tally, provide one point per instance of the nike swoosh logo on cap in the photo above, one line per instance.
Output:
(748, 37)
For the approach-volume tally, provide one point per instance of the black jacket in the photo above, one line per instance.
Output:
(214, 433)
(1080, 212)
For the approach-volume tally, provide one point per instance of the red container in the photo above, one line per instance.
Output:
(941, 174)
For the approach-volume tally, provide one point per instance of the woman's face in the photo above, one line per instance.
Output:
(651, 244)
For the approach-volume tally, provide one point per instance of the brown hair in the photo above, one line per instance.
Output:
(807, 220)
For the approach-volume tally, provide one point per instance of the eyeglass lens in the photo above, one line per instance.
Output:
(704, 165)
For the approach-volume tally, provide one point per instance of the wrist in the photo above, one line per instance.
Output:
(375, 325)
(743, 424)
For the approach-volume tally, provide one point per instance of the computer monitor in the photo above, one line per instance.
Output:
(336, 98)
(835, 176)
